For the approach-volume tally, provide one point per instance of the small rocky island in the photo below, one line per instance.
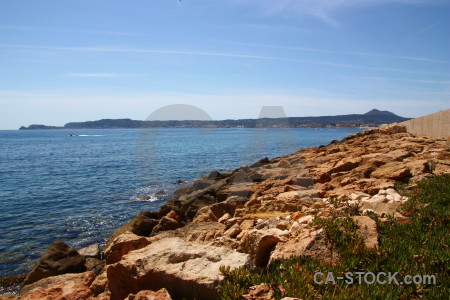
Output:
(251, 217)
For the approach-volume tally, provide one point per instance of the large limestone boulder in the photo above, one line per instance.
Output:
(123, 244)
(58, 259)
(67, 286)
(184, 269)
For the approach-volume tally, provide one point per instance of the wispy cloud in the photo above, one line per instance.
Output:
(428, 27)
(321, 9)
(62, 30)
(108, 75)
(425, 59)
(216, 54)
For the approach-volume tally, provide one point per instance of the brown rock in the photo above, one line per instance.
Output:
(367, 230)
(392, 128)
(99, 284)
(308, 243)
(233, 231)
(67, 286)
(347, 164)
(162, 294)
(260, 243)
(95, 265)
(141, 225)
(237, 189)
(184, 269)
(58, 259)
(247, 224)
(171, 221)
(122, 245)
(216, 211)
(260, 292)
(394, 170)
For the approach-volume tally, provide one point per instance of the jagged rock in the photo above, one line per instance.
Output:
(245, 190)
(224, 218)
(247, 224)
(260, 292)
(308, 243)
(216, 211)
(392, 128)
(90, 251)
(67, 286)
(99, 284)
(394, 170)
(184, 269)
(162, 294)
(123, 244)
(233, 231)
(171, 221)
(58, 259)
(142, 225)
(259, 243)
(367, 230)
(95, 265)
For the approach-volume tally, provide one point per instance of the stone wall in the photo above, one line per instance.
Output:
(435, 125)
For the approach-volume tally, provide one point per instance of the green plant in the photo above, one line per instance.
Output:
(420, 247)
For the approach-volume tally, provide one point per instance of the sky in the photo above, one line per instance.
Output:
(64, 61)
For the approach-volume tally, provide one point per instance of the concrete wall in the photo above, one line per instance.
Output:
(435, 125)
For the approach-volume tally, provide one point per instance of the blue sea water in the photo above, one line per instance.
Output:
(79, 189)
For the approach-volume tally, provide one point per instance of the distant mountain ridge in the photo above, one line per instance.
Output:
(374, 117)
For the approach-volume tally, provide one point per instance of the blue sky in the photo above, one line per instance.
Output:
(64, 61)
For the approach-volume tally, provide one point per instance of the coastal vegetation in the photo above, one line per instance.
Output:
(418, 247)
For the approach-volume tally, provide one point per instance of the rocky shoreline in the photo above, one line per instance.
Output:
(247, 217)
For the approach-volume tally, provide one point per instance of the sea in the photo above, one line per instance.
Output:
(80, 188)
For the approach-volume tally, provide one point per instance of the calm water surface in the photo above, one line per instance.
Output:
(80, 189)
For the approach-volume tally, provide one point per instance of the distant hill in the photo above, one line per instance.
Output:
(372, 118)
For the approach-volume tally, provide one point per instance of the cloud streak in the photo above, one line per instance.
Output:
(428, 27)
(97, 75)
(321, 9)
(305, 49)
(214, 54)
(105, 32)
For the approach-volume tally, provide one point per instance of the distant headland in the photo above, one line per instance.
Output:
(372, 118)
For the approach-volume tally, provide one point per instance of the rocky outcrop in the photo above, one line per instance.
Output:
(67, 286)
(58, 259)
(184, 269)
(257, 214)
(311, 242)
(375, 159)
(142, 225)
(123, 244)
